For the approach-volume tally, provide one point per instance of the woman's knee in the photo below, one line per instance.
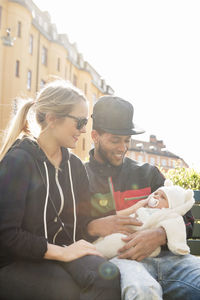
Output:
(97, 278)
(102, 274)
(91, 270)
(109, 274)
(107, 281)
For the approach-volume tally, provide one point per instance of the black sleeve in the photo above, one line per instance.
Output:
(157, 180)
(15, 177)
(189, 223)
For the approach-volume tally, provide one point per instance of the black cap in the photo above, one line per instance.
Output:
(114, 115)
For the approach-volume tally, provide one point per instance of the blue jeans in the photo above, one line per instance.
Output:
(167, 276)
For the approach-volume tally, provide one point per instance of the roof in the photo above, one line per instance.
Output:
(154, 146)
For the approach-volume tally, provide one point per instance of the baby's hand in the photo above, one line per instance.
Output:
(141, 203)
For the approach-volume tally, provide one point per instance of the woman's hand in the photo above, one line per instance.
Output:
(79, 249)
(71, 252)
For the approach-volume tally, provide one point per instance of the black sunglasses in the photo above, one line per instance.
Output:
(81, 122)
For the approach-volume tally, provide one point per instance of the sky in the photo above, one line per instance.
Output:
(148, 51)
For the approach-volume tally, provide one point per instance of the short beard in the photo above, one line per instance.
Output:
(103, 154)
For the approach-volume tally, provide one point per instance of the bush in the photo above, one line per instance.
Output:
(186, 177)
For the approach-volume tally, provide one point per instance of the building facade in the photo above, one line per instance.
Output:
(32, 52)
(154, 152)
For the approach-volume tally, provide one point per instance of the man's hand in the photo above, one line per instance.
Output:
(112, 224)
(141, 244)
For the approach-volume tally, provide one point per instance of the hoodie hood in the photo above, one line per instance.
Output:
(31, 146)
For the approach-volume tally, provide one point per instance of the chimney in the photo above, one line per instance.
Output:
(160, 144)
(153, 139)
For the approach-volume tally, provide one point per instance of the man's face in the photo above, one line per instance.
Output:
(110, 148)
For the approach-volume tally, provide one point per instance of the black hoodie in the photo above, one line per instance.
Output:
(118, 187)
(36, 202)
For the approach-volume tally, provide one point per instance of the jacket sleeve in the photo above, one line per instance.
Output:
(15, 178)
(157, 179)
(189, 223)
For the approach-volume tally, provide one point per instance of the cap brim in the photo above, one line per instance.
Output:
(133, 131)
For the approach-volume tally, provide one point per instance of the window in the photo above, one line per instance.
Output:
(17, 68)
(55, 35)
(15, 106)
(152, 161)
(163, 162)
(140, 159)
(19, 29)
(44, 56)
(85, 88)
(103, 85)
(174, 164)
(33, 14)
(40, 21)
(131, 155)
(29, 77)
(94, 98)
(46, 26)
(65, 72)
(0, 15)
(83, 144)
(58, 64)
(42, 83)
(78, 60)
(31, 44)
(74, 80)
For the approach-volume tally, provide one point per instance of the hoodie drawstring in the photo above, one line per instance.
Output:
(46, 201)
(74, 201)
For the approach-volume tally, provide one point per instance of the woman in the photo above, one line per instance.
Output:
(43, 206)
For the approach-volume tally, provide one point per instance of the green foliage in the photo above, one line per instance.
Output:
(188, 178)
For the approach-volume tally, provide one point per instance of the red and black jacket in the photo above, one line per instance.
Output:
(115, 188)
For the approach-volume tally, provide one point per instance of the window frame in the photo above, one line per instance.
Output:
(29, 80)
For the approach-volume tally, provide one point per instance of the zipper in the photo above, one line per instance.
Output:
(136, 198)
(55, 236)
(60, 191)
(61, 205)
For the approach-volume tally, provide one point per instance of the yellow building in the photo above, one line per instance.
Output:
(31, 51)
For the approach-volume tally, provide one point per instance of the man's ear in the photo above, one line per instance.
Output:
(95, 136)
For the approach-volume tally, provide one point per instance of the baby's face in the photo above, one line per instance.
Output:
(162, 199)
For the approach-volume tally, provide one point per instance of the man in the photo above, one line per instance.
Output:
(116, 183)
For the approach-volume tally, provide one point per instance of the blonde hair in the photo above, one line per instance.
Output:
(57, 97)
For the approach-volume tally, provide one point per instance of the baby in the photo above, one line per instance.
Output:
(164, 208)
